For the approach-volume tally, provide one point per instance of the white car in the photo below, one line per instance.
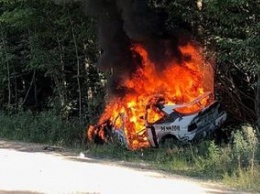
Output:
(184, 127)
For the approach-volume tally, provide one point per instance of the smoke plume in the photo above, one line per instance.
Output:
(122, 23)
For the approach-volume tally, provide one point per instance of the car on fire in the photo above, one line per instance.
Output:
(184, 127)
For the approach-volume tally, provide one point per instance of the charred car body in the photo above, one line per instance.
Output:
(184, 127)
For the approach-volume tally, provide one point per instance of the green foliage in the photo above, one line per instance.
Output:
(244, 179)
(233, 26)
(17, 17)
(245, 148)
(45, 127)
(47, 59)
(211, 163)
(229, 30)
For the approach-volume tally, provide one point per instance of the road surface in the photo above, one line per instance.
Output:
(33, 168)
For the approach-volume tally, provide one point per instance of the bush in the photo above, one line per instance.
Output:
(245, 147)
(44, 127)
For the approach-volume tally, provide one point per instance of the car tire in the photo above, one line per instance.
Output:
(169, 141)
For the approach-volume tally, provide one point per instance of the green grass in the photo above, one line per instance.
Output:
(45, 127)
(236, 164)
(244, 179)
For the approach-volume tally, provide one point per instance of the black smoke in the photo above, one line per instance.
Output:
(122, 23)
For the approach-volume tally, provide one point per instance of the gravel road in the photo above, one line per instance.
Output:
(33, 168)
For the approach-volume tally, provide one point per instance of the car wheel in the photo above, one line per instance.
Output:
(169, 141)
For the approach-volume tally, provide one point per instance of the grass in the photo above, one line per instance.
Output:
(243, 179)
(44, 127)
(236, 163)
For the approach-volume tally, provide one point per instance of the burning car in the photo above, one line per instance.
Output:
(158, 100)
(177, 123)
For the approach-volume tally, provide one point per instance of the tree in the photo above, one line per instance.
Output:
(47, 55)
(230, 32)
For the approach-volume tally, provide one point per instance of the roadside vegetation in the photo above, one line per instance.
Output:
(44, 127)
(51, 89)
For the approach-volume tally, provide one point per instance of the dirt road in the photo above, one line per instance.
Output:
(30, 168)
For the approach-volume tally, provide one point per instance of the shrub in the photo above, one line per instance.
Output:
(245, 147)
(44, 127)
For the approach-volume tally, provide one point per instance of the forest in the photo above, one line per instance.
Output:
(58, 63)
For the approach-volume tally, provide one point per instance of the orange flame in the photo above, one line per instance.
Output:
(176, 84)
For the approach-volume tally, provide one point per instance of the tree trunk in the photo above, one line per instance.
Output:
(16, 93)
(36, 102)
(258, 99)
(78, 69)
(62, 92)
(9, 83)
(7, 67)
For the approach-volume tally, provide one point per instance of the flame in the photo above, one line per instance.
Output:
(177, 84)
